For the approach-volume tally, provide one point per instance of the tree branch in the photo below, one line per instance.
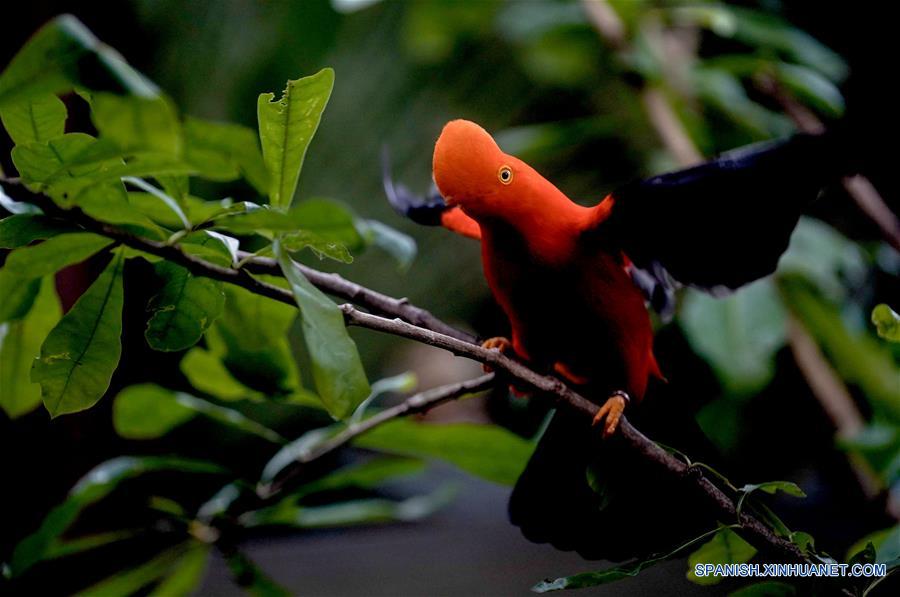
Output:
(376, 302)
(416, 403)
(755, 531)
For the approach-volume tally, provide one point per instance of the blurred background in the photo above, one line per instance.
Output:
(787, 376)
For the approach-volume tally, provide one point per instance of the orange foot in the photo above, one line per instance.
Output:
(499, 343)
(505, 347)
(611, 411)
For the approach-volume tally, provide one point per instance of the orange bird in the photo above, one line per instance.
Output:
(575, 281)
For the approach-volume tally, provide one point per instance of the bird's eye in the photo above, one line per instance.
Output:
(505, 174)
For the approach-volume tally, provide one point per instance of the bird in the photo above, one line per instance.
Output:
(577, 284)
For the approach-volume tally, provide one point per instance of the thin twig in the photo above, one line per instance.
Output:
(417, 403)
(833, 397)
(659, 109)
(376, 302)
(669, 127)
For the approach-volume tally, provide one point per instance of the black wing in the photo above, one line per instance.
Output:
(724, 223)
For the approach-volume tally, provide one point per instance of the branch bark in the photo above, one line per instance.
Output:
(416, 403)
(755, 531)
(376, 302)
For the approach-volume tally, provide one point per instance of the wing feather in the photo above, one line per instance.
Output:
(721, 224)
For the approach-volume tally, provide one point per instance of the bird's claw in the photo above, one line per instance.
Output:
(498, 343)
(611, 411)
(505, 347)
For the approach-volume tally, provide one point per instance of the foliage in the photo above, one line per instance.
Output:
(137, 175)
(285, 379)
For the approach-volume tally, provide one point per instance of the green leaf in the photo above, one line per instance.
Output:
(147, 411)
(835, 263)
(161, 212)
(337, 370)
(858, 357)
(878, 443)
(403, 383)
(182, 566)
(773, 487)
(73, 155)
(355, 512)
(81, 353)
(64, 165)
(62, 55)
(251, 340)
(725, 92)
(22, 229)
(36, 118)
(286, 127)
(16, 207)
(886, 543)
(812, 88)
(297, 450)
(393, 242)
(486, 451)
(321, 247)
(765, 589)
(726, 547)
(166, 200)
(602, 577)
(325, 227)
(18, 295)
(211, 246)
(249, 577)
(176, 187)
(255, 217)
(362, 475)
(54, 254)
(887, 322)
(183, 309)
(20, 345)
(865, 556)
(108, 202)
(207, 373)
(224, 151)
(767, 31)
(329, 219)
(137, 123)
(90, 489)
(804, 541)
(63, 548)
(221, 501)
(186, 575)
(738, 335)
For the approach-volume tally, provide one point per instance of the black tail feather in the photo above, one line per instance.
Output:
(594, 497)
(422, 209)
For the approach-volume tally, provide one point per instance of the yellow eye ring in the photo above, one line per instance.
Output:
(505, 174)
